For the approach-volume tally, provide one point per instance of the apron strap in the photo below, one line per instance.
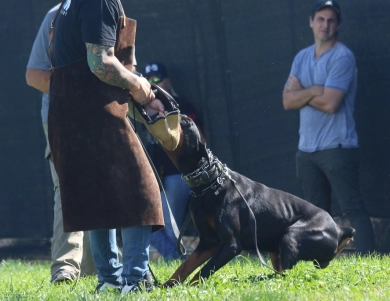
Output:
(51, 33)
(123, 14)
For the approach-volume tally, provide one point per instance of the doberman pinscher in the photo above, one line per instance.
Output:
(287, 227)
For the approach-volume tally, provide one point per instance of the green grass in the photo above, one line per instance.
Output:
(346, 278)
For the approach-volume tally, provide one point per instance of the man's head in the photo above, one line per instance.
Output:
(322, 4)
(156, 73)
(325, 21)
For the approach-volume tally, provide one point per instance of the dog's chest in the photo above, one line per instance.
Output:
(205, 212)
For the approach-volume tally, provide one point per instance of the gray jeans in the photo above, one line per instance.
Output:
(332, 175)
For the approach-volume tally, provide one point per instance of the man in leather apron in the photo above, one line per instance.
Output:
(70, 251)
(106, 179)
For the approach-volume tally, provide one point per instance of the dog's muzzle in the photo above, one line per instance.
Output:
(207, 176)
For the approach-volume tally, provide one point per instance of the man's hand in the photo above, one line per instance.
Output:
(104, 64)
(295, 96)
(142, 92)
(293, 84)
(154, 107)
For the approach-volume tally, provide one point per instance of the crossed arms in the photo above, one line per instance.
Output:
(295, 97)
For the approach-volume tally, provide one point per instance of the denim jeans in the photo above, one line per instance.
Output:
(135, 254)
(177, 192)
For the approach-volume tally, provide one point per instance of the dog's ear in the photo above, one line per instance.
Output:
(203, 150)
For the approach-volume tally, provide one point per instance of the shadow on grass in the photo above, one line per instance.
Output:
(258, 278)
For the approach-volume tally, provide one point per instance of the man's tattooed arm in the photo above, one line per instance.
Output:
(107, 68)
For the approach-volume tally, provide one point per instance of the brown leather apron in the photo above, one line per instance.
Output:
(105, 177)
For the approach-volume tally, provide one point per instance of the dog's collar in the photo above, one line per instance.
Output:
(211, 174)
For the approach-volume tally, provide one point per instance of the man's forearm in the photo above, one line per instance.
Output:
(329, 101)
(293, 100)
(319, 103)
(38, 79)
(107, 68)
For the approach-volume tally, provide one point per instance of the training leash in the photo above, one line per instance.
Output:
(180, 246)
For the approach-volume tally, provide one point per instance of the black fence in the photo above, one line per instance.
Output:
(231, 59)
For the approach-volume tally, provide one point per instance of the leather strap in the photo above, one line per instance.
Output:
(51, 34)
(253, 227)
(123, 14)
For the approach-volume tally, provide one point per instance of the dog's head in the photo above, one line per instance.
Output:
(191, 149)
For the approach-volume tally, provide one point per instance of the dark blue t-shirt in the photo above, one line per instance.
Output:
(84, 21)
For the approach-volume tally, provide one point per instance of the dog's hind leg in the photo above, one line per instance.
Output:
(196, 259)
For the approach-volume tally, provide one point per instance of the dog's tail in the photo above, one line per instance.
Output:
(345, 236)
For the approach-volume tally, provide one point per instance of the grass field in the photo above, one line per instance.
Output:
(347, 278)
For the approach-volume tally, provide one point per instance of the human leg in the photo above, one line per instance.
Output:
(66, 248)
(135, 254)
(164, 245)
(177, 192)
(87, 266)
(105, 255)
(342, 169)
(315, 186)
(136, 241)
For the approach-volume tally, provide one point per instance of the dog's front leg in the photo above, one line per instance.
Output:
(225, 253)
(196, 259)
(275, 259)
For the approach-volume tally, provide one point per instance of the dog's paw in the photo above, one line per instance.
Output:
(170, 283)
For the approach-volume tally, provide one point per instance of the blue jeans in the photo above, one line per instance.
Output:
(177, 192)
(135, 254)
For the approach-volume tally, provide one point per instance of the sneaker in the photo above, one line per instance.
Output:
(143, 285)
(62, 276)
(106, 287)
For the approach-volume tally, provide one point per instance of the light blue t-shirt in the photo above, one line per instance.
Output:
(336, 69)
(39, 57)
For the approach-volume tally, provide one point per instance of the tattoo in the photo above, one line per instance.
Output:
(106, 67)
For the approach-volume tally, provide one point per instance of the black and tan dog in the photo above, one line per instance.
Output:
(287, 227)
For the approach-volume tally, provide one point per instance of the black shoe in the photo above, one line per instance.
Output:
(144, 285)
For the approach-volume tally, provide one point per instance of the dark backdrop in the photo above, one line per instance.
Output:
(231, 59)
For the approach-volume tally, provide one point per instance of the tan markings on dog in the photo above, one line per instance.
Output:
(195, 260)
(211, 221)
(275, 260)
